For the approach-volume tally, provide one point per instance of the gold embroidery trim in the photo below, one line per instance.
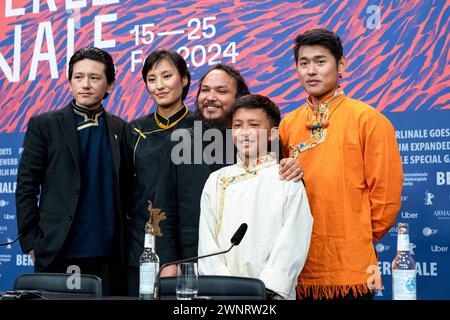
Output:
(165, 127)
(250, 171)
(224, 184)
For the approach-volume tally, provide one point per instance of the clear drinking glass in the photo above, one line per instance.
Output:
(187, 281)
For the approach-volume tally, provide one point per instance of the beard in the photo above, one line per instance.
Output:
(219, 123)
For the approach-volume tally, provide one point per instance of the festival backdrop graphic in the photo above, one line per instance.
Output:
(398, 62)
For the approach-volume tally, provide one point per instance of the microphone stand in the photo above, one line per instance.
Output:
(11, 242)
(25, 230)
(158, 275)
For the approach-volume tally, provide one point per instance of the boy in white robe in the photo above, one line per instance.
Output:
(276, 244)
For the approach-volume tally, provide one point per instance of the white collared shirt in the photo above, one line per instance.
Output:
(276, 244)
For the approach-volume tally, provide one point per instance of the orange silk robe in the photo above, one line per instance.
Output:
(353, 181)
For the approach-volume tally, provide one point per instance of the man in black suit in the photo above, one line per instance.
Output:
(181, 180)
(67, 197)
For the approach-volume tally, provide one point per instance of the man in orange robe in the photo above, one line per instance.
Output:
(353, 174)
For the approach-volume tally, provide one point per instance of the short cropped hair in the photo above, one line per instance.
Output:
(176, 59)
(256, 101)
(322, 37)
(96, 54)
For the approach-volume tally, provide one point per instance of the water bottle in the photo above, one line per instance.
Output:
(403, 267)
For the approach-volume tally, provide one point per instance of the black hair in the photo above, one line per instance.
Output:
(323, 37)
(175, 58)
(96, 54)
(241, 85)
(256, 101)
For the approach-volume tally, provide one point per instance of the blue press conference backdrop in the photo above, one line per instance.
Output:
(398, 62)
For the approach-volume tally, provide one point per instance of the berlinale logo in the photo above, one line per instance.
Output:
(412, 246)
(428, 197)
(9, 245)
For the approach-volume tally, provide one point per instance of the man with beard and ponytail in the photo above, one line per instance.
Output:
(202, 150)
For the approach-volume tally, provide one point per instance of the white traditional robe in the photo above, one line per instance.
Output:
(276, 244)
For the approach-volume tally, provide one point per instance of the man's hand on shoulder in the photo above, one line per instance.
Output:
(290, 170)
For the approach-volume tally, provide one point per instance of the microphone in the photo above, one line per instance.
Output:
(239, 234)
(235, 240)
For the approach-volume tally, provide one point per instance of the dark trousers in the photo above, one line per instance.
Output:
(107, 268)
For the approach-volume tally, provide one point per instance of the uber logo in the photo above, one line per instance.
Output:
(9, 216)
(437, 248)
(409, 215)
